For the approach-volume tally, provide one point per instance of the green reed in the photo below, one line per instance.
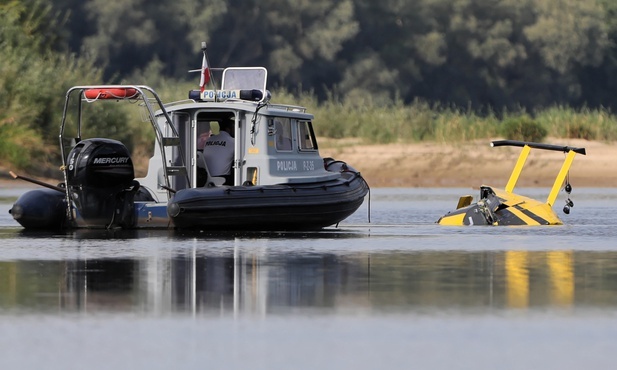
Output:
(393, 121)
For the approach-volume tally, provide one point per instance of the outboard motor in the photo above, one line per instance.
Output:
(100, 178)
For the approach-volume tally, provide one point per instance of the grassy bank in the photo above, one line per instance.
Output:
(420, 121)
(366, 120)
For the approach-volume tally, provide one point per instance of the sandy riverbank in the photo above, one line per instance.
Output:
(474, 164)
(458, 165)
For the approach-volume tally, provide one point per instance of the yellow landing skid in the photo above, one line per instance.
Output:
(503, 206)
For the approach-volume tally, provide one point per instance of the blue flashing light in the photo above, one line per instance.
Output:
(220, 95)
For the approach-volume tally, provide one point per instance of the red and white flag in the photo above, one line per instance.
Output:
(205, 74)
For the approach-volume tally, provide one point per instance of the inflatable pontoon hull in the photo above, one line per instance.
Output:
(273, 207)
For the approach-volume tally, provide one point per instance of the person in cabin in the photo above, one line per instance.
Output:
(219, 152)
(206, 132)
(203, 137)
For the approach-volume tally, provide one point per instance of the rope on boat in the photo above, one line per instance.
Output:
(369, 198)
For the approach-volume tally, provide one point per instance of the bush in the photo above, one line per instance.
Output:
(580, 130)
(522, 128)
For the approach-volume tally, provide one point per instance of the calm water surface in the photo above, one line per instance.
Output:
(396, 292)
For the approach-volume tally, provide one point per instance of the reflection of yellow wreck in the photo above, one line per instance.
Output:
(503, 207)
(560, 274)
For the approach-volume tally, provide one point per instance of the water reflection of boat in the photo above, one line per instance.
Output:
(278, 179)
(253, 280)
(504, 207)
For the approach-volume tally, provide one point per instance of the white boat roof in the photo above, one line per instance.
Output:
(280, 110)
(242, 89)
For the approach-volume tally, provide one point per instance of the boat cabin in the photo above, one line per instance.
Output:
(274, 144)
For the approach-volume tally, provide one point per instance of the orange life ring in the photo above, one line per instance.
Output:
(106, 93)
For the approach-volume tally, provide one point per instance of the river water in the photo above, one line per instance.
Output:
(387, 288)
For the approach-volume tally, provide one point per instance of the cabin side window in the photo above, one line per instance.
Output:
(282, 135)
(306, 136)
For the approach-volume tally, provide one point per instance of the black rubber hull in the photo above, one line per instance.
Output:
(43, 209)
(274, 207)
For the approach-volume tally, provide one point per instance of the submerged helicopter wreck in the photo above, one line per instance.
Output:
(504, 207)
(275, 179)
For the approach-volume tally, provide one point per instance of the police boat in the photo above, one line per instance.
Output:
(278, 179)
(504, 207)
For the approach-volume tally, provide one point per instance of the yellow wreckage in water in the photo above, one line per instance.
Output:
(503, 207)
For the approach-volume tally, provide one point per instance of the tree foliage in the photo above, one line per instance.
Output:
(34, 76)
(483, 54)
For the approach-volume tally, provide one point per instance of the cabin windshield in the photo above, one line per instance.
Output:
(238, 78)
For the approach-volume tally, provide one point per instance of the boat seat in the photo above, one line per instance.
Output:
(210, 180)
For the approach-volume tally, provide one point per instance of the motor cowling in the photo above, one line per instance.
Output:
(100, 179)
